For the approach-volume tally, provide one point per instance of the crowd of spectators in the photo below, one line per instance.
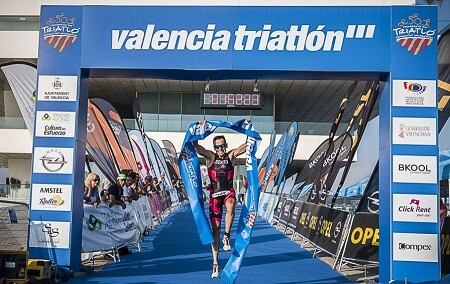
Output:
(128, 187)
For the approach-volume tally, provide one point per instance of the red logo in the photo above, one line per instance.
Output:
(414, 33)
(60, 32)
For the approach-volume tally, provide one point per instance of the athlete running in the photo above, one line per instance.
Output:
(221, 192)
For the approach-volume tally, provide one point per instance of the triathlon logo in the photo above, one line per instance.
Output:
(414, 33)
(53, 161)
(61, 31)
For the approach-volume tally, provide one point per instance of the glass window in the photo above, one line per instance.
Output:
(149, 102)
(191, 104)
(170, 103)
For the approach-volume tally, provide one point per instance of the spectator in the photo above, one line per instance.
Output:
(91, 193)
(115, 191)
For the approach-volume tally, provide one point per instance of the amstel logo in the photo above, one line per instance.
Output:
(414, 33)
(60, 31)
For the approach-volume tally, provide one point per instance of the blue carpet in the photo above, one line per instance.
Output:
(173, 253)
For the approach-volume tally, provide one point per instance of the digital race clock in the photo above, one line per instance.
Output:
(227, 100)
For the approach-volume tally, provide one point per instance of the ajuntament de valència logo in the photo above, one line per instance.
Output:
(60, 31)
(294, 38)
(414, 33)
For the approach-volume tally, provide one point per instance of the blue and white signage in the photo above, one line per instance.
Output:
(49, 234)
(414, 131)
(57, 88)
(57, 197)
(414, 93)
(414, 169)
(55, 124)
(416, 247)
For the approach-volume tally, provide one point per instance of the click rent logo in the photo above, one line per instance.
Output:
(414, 207)
(295, 38)
(61, 31)
(414, 33)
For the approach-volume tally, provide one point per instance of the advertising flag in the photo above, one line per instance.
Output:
(110, 138)
(357, 125)
(337, 153)
(22, 77)
(140, 125)
(172, 154)
(140, 153)
(98, 148)
(288, 151)
(119, 130)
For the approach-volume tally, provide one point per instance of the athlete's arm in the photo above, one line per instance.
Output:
(209, 155)
(238, 151)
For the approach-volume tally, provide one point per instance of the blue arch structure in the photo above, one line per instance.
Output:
(394, 44)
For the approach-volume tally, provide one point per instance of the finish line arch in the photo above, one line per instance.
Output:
(394, 44)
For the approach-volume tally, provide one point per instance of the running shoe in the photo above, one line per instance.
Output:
(215, 271)
(226, 243)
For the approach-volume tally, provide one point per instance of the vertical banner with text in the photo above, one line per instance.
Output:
(59, 140)
(409, 235)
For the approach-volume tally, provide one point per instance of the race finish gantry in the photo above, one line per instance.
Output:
(394, 44)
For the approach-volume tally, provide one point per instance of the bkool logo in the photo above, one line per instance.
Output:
(414, 33)
(60, 32)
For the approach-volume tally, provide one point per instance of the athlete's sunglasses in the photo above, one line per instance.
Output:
(221, 146)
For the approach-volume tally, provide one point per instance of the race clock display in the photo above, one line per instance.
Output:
(231, 101)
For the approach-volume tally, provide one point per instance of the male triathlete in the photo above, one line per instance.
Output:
(221, 192)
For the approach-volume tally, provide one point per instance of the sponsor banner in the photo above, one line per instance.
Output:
(295, 36)
(415, 247)
(415, 208)
(286, 211)
(295, 214)
(414, 169)
(105, 227)
(53, 160)
(49, 234)
(414, 93)
(279, 208)
(364, 239)
(57, 88)
(445, 246)
(414, 131)
(55, 124)
(322, 225)
(57, 197)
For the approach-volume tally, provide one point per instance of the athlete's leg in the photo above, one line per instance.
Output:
(215, 215)
(230, 203)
